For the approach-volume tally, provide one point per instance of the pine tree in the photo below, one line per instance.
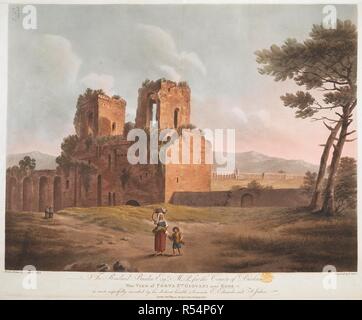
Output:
(326, 61)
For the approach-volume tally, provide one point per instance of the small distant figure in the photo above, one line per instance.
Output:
(46, 213)
(177, 240)
(51, 212)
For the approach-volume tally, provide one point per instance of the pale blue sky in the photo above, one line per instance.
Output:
(116, 47)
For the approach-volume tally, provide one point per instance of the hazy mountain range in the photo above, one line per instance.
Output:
(43, 160)
(245, 162)
(257, 163)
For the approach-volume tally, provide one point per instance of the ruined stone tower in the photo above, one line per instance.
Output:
(100, 115)
(102, 174)
(164, 102)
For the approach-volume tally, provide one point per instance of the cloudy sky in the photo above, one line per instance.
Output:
(117, 47)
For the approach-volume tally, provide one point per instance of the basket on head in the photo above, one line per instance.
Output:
(155, 213)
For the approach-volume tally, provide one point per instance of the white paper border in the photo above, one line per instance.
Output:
(77, 285)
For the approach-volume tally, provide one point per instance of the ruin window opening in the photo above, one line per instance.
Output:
(153, 114)
(113, 126)
(175, 118)
(99, 190)
(177, 180)
(109, 198)
(90, 118)
(67, 184)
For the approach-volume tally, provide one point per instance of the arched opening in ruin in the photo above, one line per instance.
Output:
(152, 114)
(114, 199)
(113, 126)
(90, 123)
(90, 118)
(175, 118)
(12, 192)
(57, 194)
(27, 194)
(43, 193)
(247, 200)
(109, 198)
(99, 190)
(132, 203)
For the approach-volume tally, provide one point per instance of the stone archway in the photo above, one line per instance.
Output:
(57, 194)
(27, 194)
(247, 200)
(133, 203)
(43, 193)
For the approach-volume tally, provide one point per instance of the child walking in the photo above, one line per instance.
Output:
(177, 240)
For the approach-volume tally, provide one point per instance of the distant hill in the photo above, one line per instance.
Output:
(255, 162)
(250, 161)
(43, 160)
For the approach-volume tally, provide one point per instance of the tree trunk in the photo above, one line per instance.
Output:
(328, 203)
(328, 207)
(314, 204)
(75, 184)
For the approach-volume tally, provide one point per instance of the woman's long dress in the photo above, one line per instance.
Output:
(160, 241)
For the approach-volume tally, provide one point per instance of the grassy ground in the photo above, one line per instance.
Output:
(221, 185)
(218, 239)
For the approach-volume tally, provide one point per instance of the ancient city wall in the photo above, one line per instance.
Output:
(39, 189)
(243, 198)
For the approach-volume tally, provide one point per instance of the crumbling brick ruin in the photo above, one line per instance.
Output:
(97, 173)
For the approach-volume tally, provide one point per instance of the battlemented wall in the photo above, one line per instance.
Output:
(101, 116)
(33, 191)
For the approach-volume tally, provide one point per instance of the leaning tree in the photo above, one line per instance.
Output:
(325, 66)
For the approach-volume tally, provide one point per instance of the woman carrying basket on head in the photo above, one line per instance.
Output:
(160, 230)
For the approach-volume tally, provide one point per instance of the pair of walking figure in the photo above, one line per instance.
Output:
(161, 233)
(49, 212)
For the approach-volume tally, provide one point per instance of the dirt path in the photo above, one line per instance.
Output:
(94, 245)
(262, 240)
(199, 253)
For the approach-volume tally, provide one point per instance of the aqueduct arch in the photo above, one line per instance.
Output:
(43, 193)
(57, 193)
(12, 193)
(247, 200)
(27, 194)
